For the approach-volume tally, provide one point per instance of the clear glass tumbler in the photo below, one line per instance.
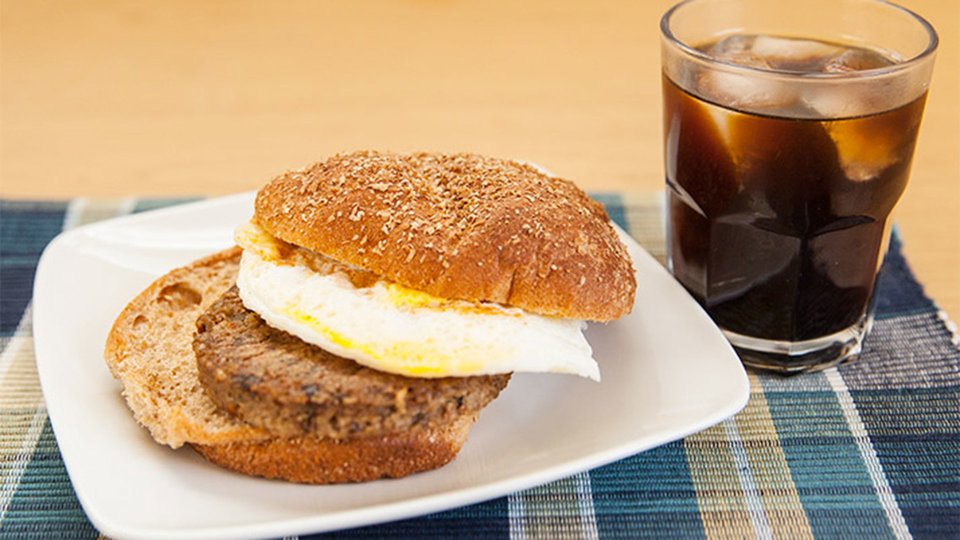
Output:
(789, 131)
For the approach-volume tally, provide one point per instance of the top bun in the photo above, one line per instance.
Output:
(458, 226)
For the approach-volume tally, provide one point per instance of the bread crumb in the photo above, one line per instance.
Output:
(356, 214)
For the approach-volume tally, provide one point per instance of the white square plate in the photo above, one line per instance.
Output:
(667, 372)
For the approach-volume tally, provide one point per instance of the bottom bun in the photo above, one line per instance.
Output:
(149, 351)
(311, 460)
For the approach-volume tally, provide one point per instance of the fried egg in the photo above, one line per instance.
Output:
(392, 328)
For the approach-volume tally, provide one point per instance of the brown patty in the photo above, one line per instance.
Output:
(458, 226)
(283, 385)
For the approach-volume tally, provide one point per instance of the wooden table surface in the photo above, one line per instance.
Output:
(178, 97)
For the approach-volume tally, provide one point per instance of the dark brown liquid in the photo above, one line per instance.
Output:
(778, 223)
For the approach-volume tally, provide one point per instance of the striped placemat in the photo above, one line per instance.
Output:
(867, 450)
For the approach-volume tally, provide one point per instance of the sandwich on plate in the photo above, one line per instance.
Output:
(375, 303)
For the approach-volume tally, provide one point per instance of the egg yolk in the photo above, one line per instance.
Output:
(409, 357)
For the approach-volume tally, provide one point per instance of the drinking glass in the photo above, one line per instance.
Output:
(789, 131)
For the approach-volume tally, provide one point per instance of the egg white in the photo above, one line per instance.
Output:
(395, 329)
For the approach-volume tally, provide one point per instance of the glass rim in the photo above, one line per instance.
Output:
(932, 44)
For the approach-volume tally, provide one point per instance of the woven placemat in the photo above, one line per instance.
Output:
(867, 450)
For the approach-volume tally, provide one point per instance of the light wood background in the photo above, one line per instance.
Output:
(111, 98)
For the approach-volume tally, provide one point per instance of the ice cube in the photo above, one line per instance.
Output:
(793, 54)
(734, 44)
(769, 52)
(858, 59)
(745, 92)
(865, 148)
(738, 49)
(757, 94)
(833, 102)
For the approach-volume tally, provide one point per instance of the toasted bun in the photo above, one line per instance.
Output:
(324, 461)
(149, 350)
(458, 226)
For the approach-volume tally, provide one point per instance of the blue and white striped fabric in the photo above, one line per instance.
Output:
(867, 450)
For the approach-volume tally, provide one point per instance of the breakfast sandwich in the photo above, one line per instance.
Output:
(375, 304)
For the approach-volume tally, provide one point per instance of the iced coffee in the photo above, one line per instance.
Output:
(784, 158)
